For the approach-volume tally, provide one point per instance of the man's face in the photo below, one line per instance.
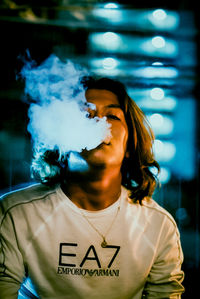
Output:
(112, 151)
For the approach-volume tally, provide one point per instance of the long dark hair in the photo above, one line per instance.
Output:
(137, 174)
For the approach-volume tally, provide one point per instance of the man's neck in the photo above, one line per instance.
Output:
(96, 191)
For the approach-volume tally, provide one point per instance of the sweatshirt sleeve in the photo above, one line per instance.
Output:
(12, 271)
(165, 278)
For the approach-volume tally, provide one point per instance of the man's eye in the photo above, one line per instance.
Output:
(112, 116)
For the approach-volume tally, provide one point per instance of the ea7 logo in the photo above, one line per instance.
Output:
(90, 255)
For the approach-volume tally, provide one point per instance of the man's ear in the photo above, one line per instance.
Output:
(127, 154)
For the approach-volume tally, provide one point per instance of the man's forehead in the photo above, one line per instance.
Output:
(102, 97)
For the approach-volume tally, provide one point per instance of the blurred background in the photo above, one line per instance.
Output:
(153, 48)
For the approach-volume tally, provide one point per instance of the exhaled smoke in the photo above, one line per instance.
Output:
(58, 118)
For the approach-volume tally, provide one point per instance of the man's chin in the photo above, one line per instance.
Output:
(95, 158)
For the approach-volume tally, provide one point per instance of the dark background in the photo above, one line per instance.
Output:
(68, 29)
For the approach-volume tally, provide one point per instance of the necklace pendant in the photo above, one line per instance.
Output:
(104, 243)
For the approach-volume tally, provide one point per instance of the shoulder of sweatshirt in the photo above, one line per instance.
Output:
(158, 212)
(150, 212)
(22, 196)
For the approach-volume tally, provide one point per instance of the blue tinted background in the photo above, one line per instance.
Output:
(153, 50)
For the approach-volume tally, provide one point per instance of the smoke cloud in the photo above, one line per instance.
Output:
(58, 116)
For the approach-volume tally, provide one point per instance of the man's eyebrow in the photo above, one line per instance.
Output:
(113, 106)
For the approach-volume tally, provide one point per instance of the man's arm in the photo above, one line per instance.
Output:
(166, 276)
(12, 270)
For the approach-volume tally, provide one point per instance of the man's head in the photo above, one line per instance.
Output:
(130, 146)
(138, 156)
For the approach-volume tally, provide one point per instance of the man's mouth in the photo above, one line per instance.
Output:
(102, 144)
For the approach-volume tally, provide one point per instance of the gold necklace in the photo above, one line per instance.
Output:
(104, 242)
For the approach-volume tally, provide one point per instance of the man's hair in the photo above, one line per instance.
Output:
(138, 170)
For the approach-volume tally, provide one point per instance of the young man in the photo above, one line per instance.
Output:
(94, 233)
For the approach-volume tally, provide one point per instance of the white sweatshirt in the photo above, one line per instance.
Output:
(45, 236)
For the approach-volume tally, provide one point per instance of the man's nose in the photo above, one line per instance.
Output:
(95, 113)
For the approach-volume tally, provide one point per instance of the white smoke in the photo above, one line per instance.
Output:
(58, 116)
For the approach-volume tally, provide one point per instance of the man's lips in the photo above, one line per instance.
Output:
(85, 151)
(103, 144)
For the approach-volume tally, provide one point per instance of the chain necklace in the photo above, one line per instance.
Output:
(104, 242)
